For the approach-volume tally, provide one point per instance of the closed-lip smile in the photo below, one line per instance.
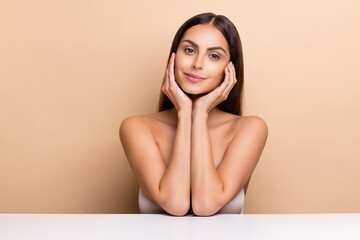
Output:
(193, 77)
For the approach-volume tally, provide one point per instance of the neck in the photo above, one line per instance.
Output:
(213, 115)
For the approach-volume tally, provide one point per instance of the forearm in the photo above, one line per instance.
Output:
(175, 183)
(206, 184)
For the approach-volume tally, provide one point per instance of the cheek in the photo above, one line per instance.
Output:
(180, 66)
(219, 74)
(182, 62)
(177, 73)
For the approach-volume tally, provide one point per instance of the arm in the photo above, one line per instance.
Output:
(205, 181)
(166, 186)
(176, 179)
(212, 188)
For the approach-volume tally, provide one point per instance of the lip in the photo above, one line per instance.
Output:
(193, 77)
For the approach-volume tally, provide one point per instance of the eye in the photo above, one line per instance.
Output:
(188, 50)
(215, 56)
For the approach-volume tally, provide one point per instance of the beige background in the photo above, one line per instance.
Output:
(71, 71)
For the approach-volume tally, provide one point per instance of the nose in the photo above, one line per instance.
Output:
(198, 62)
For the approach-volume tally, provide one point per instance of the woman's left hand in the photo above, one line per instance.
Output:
(219, 94)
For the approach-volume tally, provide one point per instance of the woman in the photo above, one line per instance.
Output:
(196, 155)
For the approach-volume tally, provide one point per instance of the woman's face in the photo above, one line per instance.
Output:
(202, 51)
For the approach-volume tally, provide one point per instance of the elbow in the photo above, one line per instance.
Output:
(204, 209)
(177, 208)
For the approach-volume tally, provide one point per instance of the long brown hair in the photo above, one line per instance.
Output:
(233, 104)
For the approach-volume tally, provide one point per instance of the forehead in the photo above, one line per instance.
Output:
(206, 35)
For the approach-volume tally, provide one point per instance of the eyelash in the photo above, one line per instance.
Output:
(216, 58)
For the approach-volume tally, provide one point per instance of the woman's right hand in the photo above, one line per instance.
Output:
(180, 100)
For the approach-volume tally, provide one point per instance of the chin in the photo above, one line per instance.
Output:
(194, 91)
(196, 88)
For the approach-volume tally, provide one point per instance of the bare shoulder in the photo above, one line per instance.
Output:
(252, 124)
(141, 123)
(132, 123)
(243, 121)
(252, 120)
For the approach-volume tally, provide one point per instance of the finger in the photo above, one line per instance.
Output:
(172, 81)
(173, 86)
(232, 81)
(233, 72)
(228, 69)
(229, 84)
(171, 71)
(232, 77)
(227, 76)
(166, 81)
(169, 61)
(170, 66)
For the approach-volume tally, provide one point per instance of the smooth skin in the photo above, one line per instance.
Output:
(194, 151)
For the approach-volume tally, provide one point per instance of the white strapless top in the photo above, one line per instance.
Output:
(234, 206)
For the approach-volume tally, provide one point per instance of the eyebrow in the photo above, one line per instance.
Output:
(197, 46)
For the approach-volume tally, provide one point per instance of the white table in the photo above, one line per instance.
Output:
(157, 226)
